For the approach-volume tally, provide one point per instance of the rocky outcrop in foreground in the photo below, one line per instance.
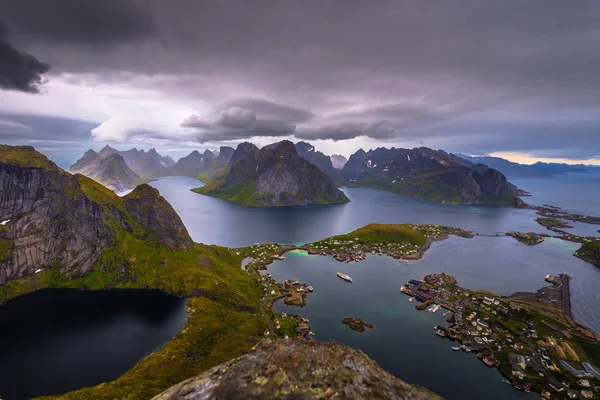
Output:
(297, 369)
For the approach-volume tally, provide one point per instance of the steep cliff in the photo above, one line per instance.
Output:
(296, 369)
(275, 175)
(54, 220)
(320, 160)
(429, 174)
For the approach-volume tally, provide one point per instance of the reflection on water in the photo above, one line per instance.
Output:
(57, 340)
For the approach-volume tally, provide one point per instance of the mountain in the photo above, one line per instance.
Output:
(275, 175)
(114, 173)
(213, 165)
(338, 161)
(191, 165)
(320, 160)
(54, 220)
(516, 170)
(147, 165)
(429, 174)
(276, 367)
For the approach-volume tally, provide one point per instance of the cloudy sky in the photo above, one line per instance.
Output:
(515, 77)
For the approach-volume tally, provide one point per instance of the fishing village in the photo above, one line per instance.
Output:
(530, 337)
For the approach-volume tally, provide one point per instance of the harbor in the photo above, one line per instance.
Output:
(526, 335)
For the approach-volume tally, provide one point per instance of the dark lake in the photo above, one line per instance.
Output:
(57, 340)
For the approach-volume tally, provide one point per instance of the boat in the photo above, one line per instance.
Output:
(466, 348)
(344, 276)
(439, 331)
(487, 361)
(455, 348)
(411, 298)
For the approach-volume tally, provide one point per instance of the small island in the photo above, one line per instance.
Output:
(528, 238)
(357, 324)
(553, 224)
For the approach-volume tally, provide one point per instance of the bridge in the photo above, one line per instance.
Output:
(488, 233)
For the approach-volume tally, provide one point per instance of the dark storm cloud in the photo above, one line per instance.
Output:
(269, 109)
(18, 70)
(89, 22)
(236, 123)
(436, 71)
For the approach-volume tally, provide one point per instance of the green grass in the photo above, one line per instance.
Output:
(385, 233)
(26, 156)
(590, 252)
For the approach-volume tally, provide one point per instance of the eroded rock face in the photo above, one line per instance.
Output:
(297, 369)
(51, 222)
(430, 174)
(153, 212)
(275, 175)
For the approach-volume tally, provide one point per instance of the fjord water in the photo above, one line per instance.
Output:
(56, 340)
(215, 221)
(499, 263)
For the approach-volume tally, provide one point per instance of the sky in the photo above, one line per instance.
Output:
(513, 77)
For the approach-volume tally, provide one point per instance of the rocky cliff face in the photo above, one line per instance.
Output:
(153, 212)
(430, 174)
(52, 220)
(320, 160)
(275, 175)
(296, 369)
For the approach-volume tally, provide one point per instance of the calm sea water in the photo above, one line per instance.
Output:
(56, 340)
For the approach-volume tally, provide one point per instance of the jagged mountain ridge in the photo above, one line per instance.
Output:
(275, 175)
(320, 160)
(430, 174)
(191, 165)
(55, 220)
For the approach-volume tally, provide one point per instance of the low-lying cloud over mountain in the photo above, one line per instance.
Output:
(467, 76)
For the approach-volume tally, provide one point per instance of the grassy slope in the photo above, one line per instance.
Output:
(223, 299)
(26, 157)
(385, 233)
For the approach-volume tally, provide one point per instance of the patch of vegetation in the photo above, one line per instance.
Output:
(357, 324)
(26, 156)
(590, 252)
(385, 233)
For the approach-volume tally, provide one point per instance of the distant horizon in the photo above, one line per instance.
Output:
(178, 153)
